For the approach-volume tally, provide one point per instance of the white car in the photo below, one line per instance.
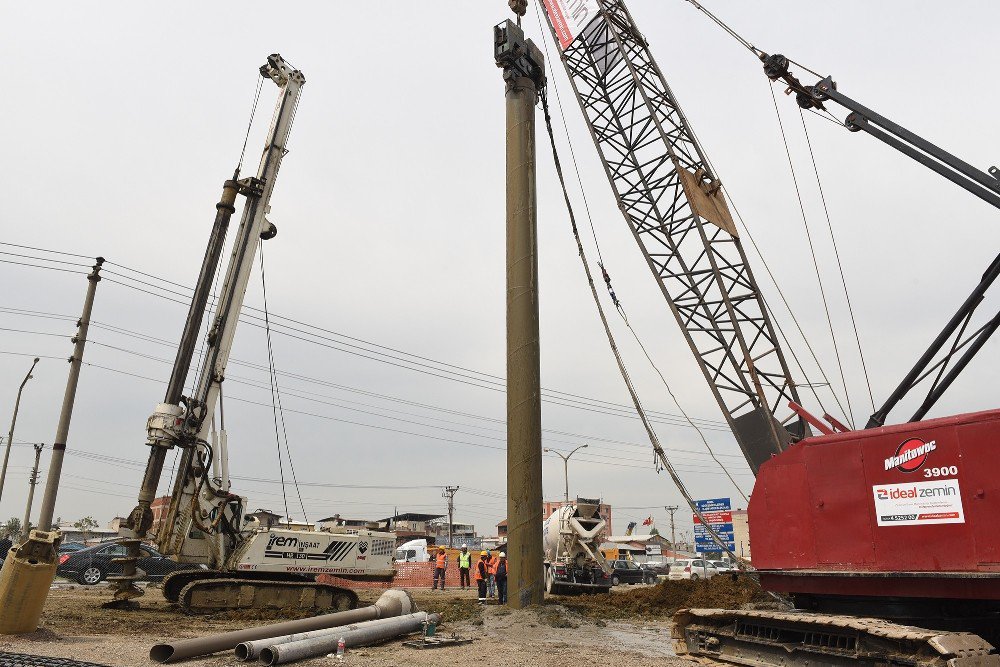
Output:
(692, 568)
(723, 566)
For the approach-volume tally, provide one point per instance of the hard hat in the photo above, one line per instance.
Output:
(465, 546)
(440, 548)
(503, 555)
(484, 553)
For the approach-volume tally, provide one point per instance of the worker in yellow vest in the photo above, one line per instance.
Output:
(464, 565)
(440, 566)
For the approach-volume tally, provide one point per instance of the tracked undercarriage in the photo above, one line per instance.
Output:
(801, 638)
(206, 591)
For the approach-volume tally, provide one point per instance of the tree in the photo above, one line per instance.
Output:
(12, 528)
(85, 525)
(654, 531)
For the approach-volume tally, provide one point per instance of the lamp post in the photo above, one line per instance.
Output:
(10, 435)
(565, 459)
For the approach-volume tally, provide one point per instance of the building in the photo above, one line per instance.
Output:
(159, 508)
(350, 525)
(460, 532)
(93, 536)
(411, 526)
(741, 534)
(639, 548)
(267, 518)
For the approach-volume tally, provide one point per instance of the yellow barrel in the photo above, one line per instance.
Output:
(25, 579)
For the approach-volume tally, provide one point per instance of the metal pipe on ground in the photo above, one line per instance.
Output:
(376, 631)
(251, 650)
(394, 602)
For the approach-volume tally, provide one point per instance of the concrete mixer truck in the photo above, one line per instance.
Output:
(573, 562)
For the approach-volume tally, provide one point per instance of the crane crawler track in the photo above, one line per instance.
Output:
(211, 595)
(760, 638)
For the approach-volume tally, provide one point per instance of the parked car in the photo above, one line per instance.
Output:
(657, 567)
(692, 568)
(723, 565)
(5, 545)
(627, 572)
(92, 565)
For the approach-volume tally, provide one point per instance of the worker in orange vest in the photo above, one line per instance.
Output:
(482, 575)
(491, 585)
(501, 577)
(440, 566)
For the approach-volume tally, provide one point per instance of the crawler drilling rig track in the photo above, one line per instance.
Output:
(205, 596)
(799, 639)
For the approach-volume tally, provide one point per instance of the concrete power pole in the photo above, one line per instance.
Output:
(673, 535)
(10, 434)
(62, 430)
(449, 493)
(32, 481)
(524, 76)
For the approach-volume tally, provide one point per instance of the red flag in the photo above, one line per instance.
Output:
(648, 521)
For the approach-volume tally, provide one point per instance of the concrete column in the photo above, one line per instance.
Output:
(66, 414)
(524, 408)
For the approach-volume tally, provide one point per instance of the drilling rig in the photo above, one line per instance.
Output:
(885, 538)
(243, 563)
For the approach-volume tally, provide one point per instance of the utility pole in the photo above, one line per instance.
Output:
(10, 434)
(565, 459)
(673, 535)
(32, 481)
(524, 76)
(449, 493)
(62, 430)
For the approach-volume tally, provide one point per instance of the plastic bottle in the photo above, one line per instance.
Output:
(340, 649)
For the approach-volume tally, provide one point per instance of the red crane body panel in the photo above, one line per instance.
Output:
(910, 510)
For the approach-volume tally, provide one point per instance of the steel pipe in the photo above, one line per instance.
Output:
(374, 631)
(394, 602)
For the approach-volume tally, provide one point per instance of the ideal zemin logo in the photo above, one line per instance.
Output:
(911, 455)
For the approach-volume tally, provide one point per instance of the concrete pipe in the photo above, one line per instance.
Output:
(394, 602)
(251, 650)
(375, 631)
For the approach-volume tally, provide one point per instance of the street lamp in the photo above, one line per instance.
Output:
(565, 459)
(10, 434)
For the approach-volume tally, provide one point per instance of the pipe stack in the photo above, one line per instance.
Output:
(282, 650)
(394, 602)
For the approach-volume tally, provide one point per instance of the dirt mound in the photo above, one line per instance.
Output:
(668, 596)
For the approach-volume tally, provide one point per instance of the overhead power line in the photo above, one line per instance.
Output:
(359, 346)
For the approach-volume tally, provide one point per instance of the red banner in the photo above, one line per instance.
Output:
(570, 17)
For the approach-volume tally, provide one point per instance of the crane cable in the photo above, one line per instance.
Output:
(600, 257)
(830, 118)
(849, 413)
(660, 458)
(735, 35)
(276, 408)
(836, 253)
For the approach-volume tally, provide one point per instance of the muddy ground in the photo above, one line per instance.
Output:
(632, 622)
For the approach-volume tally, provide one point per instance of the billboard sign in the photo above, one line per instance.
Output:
(718, 513)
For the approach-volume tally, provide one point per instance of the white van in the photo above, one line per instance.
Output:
(414, 551)
(692, 568)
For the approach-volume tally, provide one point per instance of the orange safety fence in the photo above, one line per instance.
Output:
(408, 575)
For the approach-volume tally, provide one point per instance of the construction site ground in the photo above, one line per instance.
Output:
(631, 622)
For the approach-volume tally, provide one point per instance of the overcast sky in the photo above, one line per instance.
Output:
(123, 120)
